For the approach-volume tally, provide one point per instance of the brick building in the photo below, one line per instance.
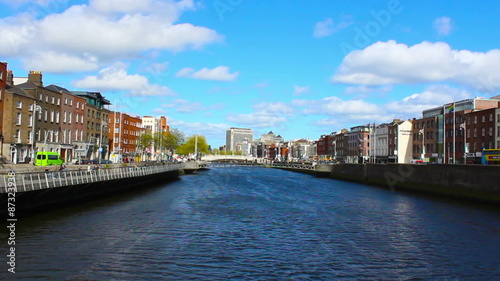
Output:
(3, 84)
(18, 143)
(124, 134)
(96, 127)
(47, 108)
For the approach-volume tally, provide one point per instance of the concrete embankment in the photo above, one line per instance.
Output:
(471, 182)
(475, 182)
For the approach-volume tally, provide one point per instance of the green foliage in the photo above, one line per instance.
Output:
(189, 146)
(174, 139)
(145, 141)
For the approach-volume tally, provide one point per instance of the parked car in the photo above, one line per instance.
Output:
(102, 161)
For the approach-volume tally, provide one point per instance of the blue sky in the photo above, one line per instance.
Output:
(298, 68)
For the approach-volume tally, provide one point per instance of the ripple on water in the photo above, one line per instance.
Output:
(255, 223)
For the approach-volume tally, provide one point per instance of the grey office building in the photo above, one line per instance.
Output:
(235, 137)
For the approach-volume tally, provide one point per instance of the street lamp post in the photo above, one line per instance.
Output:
(421, 132)
(103, 123)
(463, 127)
(36, 108)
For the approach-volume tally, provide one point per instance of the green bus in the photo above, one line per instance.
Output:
(47, 158)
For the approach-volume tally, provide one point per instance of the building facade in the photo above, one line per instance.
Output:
(235, 137)
(155, 126)
(47, 108)
(18, 140)
(124, 135)
(96, 117)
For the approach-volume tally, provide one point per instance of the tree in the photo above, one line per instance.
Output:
(145, 141)
(189, 146)
(168, 141)
(174, 138)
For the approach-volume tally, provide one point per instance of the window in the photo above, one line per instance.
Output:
(490, 133)
(57, 117)
(475, 119)
(70, 102)
(30, 120)
(30, 136)
(46, 113)
(18, 118)
(17, 136)
(40, 96)
(53, 100)
(475, 132)
(483, 118)
(65, 117)
(52, 116)
(58, 101)
(65, 100)
(491, 117)
(77, 104)
(482, 132)
(47, 99)
(69, 117)
(19, 104)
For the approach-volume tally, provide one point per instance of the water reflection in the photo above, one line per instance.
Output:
(255, 223)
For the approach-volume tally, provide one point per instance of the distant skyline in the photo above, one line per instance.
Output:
(298, 68)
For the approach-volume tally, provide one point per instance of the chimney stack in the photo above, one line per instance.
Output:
(35, 77)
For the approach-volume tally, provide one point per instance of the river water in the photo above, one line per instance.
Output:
(252, 223)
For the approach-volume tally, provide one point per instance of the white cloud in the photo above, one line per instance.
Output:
(432, 96)
(298, 90)
(45, 62)
(265, 115)
(443, 26)
(184, 106)
(367, 89)
(103, 31)
(220, 73)
(209, 130)
(257, 119)
(336, 106)
(328, 27)
(387, 63)
(116, 78)
(274, 108)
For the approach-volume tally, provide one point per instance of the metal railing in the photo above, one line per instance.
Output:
(36, 181)
(293, 166)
